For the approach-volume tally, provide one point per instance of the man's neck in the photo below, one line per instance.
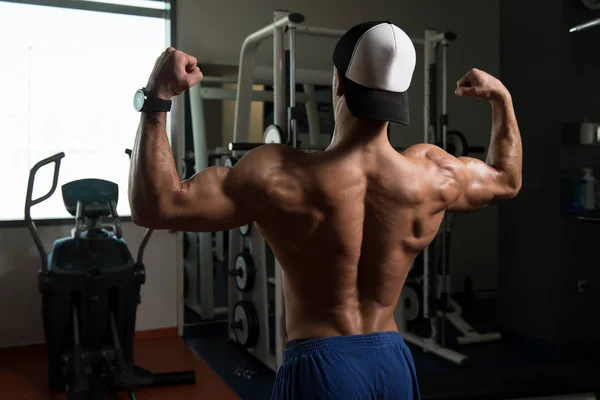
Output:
(352, 132)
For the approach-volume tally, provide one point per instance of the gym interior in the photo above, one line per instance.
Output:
(503, 305)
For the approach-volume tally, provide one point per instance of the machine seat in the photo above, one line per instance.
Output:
(96, 194)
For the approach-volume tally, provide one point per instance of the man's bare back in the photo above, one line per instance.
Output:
(345, 229)
(344, 224)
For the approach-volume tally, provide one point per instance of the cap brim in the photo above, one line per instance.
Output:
(376, 105)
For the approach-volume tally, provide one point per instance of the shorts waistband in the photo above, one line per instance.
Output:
(364, 341)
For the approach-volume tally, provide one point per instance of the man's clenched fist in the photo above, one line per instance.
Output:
(479, 84)
(173, 73)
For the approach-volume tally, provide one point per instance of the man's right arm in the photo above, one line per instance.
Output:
(481, 184)
(468, 184)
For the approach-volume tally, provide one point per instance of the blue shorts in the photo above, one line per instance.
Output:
(371, 366)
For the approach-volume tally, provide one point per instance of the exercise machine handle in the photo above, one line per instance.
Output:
(145, 240)
(53, 159)
(29, 201)
(147, 234)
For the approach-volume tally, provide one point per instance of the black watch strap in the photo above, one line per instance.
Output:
(155, 104)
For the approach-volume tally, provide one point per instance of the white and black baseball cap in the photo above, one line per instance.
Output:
(377, 61)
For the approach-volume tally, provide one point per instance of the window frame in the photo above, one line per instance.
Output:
(90, 5)
(96, 6)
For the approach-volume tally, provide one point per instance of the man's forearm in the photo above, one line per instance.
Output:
(153, 175)
(505, 152)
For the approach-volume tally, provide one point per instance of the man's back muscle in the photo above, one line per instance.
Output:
(345, 226)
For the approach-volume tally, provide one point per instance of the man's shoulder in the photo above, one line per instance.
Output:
(272, 155)
(429, 156)
(260, 165)
(421, 150)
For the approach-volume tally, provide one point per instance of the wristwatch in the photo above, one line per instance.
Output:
(144, 101)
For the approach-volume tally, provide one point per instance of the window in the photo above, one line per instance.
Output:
(68, 78)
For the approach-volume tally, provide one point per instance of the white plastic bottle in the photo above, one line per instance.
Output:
(589, 189)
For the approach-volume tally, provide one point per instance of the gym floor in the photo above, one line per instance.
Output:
(494, 370)
(25, 376)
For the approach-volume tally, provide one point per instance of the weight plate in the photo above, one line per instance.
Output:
(411, 300)
(456, 144)
(229, 162)
(272, 134)
(244, 230)
(245, 324)
(244, 266)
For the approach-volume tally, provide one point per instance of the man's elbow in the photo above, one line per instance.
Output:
(148, 215)
(141, 217)
(513, 188)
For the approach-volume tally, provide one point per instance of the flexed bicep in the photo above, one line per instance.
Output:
(221, 198)
(201, 204)
(479, 185)
(460, 184)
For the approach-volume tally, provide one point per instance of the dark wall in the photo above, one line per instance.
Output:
(579, 255)
(548, 72)
(530, 69)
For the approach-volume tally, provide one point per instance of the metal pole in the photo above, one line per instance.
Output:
(444, 88)
(318, 31)
(312, 114)
(278, 74)
(245, 76)
(198, 128)
(337, 33)
(585, 25)
(204, 267)
(435, 37)
(429, 60)
(279, 118)
(218, 93)
(292, 68)
(264, 75)
(444, 238)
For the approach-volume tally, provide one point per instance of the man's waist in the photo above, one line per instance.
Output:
(306, 326)
(297, 347)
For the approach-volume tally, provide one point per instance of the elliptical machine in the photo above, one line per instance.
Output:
(90, 287)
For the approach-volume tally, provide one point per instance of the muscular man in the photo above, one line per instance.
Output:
(345, 224)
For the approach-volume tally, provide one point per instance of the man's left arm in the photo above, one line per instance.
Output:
(209, 201)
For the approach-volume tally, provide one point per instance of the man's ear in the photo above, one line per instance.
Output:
(340, 84)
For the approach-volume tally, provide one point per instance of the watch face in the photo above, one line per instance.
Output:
(139, 99)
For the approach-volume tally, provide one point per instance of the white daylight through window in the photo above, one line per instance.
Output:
(68, 80)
